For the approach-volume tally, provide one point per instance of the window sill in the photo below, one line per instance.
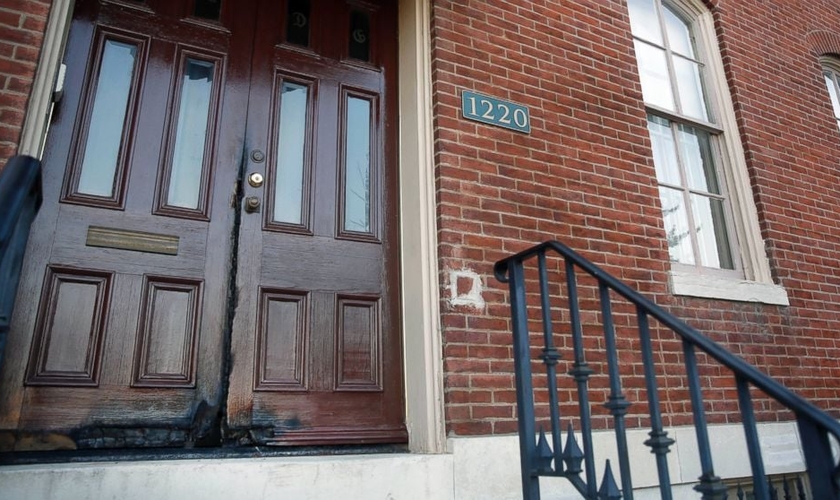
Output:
(724, 288)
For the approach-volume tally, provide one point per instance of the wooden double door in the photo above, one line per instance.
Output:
(216, 260)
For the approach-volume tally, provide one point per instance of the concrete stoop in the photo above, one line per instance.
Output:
(387, 477)
(473, 468)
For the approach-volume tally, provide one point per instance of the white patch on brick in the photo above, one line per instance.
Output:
(471, 298)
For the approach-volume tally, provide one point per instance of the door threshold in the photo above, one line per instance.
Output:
(153, 454)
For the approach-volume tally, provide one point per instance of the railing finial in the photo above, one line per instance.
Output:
(544, 454)
(609, 489)
(572, 454)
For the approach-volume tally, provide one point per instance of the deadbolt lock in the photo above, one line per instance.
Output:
(256, 179)
(252, 204)
(257, 156)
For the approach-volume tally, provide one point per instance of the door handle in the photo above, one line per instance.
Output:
(256, 179)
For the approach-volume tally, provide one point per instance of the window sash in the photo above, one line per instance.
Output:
(833, 85)
(720, 236)
(677, 86)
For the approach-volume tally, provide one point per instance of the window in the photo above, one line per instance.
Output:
(712, 232)
(830, 72)
(684, 136)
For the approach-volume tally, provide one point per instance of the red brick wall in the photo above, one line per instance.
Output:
(585, 176)
(22, 23)
(792, 146)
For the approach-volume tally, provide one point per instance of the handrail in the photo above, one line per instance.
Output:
(20, 199)
(814, 424)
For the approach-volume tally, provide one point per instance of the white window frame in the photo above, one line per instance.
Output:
(756, 283)
(832, 65)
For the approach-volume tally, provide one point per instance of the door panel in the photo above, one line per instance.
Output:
(167, 333)
(67, 348)
(320, 259)
(124, 296)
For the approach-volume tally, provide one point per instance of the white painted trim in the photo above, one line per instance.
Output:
(750, 243)
(422, 341)
(36, 121)
(715, 287)
(420, 291)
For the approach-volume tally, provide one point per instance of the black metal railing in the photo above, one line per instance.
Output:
(783, 488)
(540, 456)
(20, 198)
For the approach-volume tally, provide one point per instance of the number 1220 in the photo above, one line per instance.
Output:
(500, 113)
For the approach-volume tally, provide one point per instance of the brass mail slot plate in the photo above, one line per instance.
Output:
(137, 241)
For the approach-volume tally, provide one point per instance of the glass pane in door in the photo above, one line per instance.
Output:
(107, 121)
(191, 134)
(291, 154)
(357, 166)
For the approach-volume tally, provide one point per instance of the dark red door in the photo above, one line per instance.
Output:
(317, 271)
(130, 330)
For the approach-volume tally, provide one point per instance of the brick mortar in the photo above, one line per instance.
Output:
(585, 175)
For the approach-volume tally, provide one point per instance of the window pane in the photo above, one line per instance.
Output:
(691, 91)
(291, 153)
(359, 36)
(664, 151)
(208, 9)
(677, 231)
(679, 37)
(653, 71)
(696, 153)
(712, 239)
(832, 92)
(297, 22)
(357, 166)
(107, 121)
(643, 22)
(191, 134)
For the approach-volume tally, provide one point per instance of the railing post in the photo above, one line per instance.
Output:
(581, 372)
(710, 485)
(524, 385)
(659, 441)
(550, 358)
(821, 468)
(760, 487)
(617, 403)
